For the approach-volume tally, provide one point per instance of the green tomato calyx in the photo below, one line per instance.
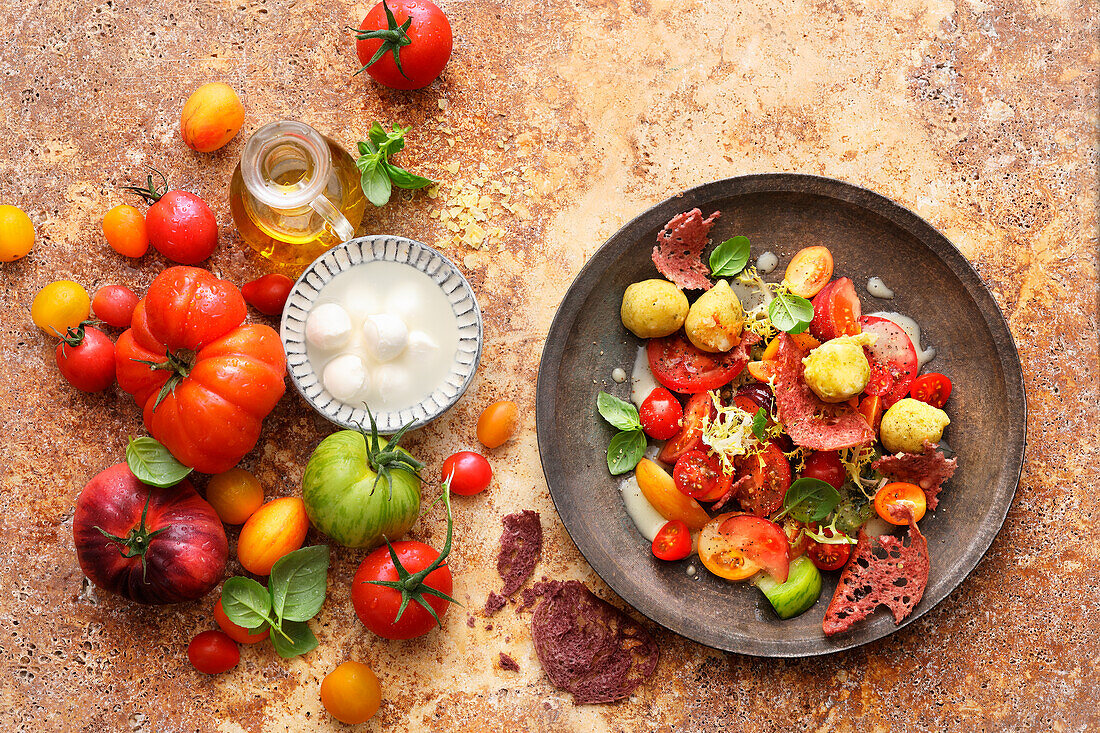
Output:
(151, 193)
(137, 542)
(393, 38)
(385, 459)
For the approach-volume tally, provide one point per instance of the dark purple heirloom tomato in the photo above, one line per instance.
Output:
(148, 544)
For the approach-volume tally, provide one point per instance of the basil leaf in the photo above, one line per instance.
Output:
(298, 583)
(791, 313)
(301, 640)
(376, 184)
(625, 451)
(377, 134)
(153, 464)
(730, 257)
(366, 148)
(619, 413)
(403, 179)
(246, 602)
(759, 422)
(810, 500)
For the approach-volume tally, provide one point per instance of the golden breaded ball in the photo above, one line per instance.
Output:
(715, 320)
(838, 369)
(908, 423)
(653, 308)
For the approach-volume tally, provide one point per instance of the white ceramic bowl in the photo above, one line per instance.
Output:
(343, 257)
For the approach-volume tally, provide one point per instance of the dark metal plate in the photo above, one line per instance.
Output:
(868, 235)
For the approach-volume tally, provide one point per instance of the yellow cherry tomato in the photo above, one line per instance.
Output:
(125, 230)
(276, 528)
(895, 502)
(235, 495)
(16, 233)
(351, 693)
(497, 423)
(59, 306)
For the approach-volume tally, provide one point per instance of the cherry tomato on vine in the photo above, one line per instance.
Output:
(16, 233)
(213, 652)
(895, 501)
(404, 44)
(86, 358)
(472, 472)
(239, 634)
(933, 388)
(673, 541)
(660, 414)
(497, 423)
(268, 294)
(351, 693)
(125, 230)
(114, 305)
(180, 224)
(235, 495)
(826, 466)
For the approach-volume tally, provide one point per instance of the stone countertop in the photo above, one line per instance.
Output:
(554, 123)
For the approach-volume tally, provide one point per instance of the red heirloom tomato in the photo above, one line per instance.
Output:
(204, 381)
(770, 477)
(268, 294)
(404, 44)
(114, 305)
(377, 606)
(213, 652)
(180, 224)
(892, 358)
(147, 544)
(826, 466)
(660, 414)
(677, 364)
(86, 358)
(836, 310)
(699, 409)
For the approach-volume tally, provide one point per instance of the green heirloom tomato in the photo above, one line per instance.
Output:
(361, 490)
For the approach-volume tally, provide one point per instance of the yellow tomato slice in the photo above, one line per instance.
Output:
(660, 490)
(719, 556)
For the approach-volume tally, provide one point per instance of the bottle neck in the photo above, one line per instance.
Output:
(286, 165)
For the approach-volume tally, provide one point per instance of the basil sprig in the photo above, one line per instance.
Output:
(296, 591)
(730, 257)
(628, 446)
(789, 312)
(153, 464)
(378, 174)
(809, 500)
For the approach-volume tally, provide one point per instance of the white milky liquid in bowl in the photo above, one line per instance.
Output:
(402, 291)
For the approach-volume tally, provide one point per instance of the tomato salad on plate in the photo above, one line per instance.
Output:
(777, 431)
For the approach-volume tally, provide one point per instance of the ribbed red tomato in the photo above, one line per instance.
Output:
(204, 381)
(147, 544)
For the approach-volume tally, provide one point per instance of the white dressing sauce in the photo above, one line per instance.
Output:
(878, 289)
(647, 519)
(767, 262)
(912, 329)
(402, 328)
(641, 378)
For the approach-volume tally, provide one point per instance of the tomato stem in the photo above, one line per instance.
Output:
(384, 460)
(180, 364)
(393, 38)
(135, 544)
(150, 193)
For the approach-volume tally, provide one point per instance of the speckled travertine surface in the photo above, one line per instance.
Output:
(980, 116)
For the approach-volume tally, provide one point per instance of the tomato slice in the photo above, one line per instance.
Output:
(699, 408)
(797, 539)
(836, 311)
(771, 477)
(828, 556)
(660, 490)
(673, 541)
(893, 360)
(762, 542)
(933, 388)
(871, 409)
(678, 365)
(896, 501)
(720, 556)
(809, 271)
(697, 475)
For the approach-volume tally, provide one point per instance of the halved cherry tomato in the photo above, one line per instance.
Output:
(771, 477)
(895, 501)
(472, 472)
(213, 652)
(660, 490)
(239, 634)
(699, 409)
(892, 358)
(933, 388)
(661, 414)
(828, 556)
(697, 474)
(673, 541)
(826, 466)
(761, 541)
(809, 271)
(871, 409)
(797, 538)
(836, 310)
(677, 364)
(719, 556)
(497, 423)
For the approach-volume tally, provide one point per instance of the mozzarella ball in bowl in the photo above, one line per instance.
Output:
(328, 326)
(345, 376)
(386, 336)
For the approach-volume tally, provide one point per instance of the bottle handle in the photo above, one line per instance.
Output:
(339, 223)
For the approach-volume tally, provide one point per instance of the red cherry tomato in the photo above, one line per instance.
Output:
(472, 472)
(770, 473)
(182, 227)
(239, 634)
(699, 408)
(809, 271)
(86, 358)
(268, 294)
(826, 466)
(836, 310)
(213, 652)
(661, 414)
(114, 305)
(827, 556)
(376, 605)
(673, 541)
(679, 365)
(697, 475)
(933, 389)
(424, 47)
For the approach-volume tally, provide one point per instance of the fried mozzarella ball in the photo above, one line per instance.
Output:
(653, 308)
(715, 320)
(838, 369)
(908, 423)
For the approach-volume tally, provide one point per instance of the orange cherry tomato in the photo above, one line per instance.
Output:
(351, 693)
(278, 527)
(235, 495)
(211, 116)
(809, 271)
(124, 228)
(497, 423)
(239, 634)
(721, 556)
(892, 501)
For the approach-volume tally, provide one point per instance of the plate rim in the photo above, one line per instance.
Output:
(928, 236)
